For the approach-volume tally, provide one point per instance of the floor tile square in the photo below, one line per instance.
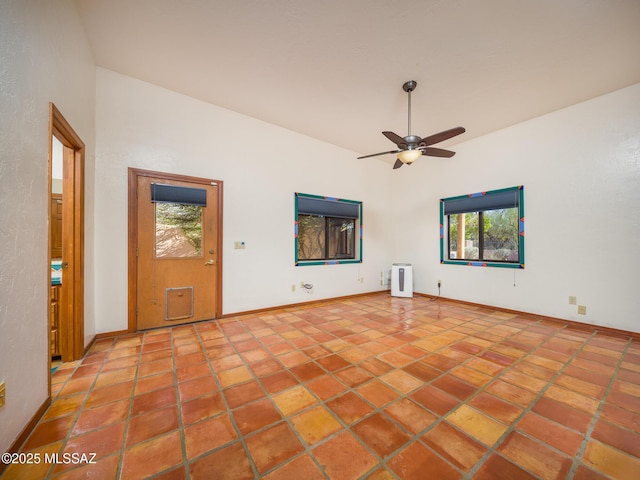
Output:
(273, 446)
(266, 367)
(572, 399)
(153, 400)
(499, 468)
(611, 461)
(208, 435)
(242, 394)
(49, 432)
(511, 393)
(553, 434)
(458, 448)
(293, 400)
(353, 376)
(410, 415)
(255, 416)
(332, 363)
(417, 462)
(350, 407)
(278, 381)
(535, 457)
(380, 434)
(102, 442)
(401, 381)
(343, 457)
(495, 407)
(315, 424)
(234, 376)
(378, 393)
(476, 424)
(421, 371)
(307, 371)
(618, 437)
(435, 400)
(455, 387)
(101, 416)
(196, 388)
(202, 407)
(189, 372)
(326, 387)
(228, 463)
(151, 424)
(302, 467)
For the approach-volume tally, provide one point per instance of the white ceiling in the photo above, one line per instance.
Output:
(334, 69)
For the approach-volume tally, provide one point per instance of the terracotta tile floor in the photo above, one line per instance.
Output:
(371, 387)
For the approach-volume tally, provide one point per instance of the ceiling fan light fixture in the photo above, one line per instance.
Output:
(409, 156)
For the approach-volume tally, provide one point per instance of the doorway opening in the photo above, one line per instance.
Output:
(66, 240)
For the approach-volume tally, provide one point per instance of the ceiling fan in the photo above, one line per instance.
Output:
(411, 147)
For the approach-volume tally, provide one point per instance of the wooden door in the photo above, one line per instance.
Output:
(177, 251)
(56, 225)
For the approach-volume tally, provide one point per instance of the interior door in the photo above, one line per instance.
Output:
(177, 251)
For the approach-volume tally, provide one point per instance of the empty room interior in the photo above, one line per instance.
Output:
(320, 240)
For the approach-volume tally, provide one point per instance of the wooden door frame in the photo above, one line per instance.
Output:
(72, 328)
(134, 173)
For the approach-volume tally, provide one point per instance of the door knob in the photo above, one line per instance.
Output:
(64, 264)
(209, 263)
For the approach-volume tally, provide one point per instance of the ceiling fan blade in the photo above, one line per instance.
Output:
(381, 153)
(398, 164)
(437, 152)
(395, 138)
(442, 136)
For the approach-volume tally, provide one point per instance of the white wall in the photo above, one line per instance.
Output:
(44, 58)
(580, 168)
(143, 126)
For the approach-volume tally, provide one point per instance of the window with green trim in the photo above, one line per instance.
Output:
(328, 230)
(483, 229)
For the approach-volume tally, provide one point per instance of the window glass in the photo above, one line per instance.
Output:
(342, 240)
(485, 229)
(327, 230)
(178, 230)
(311, 237)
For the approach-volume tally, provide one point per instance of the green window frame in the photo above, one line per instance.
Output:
(337, 227)
(484, 229)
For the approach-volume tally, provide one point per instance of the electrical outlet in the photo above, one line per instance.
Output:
(582, 310)
(3, 394)
(573, 300)
(293, 287)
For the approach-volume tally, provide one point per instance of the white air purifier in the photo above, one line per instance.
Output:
(402, 280)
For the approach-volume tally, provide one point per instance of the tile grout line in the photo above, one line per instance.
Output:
(240, 437)
(577, 461)
(127, 423)
(512, 426)
(80, 409)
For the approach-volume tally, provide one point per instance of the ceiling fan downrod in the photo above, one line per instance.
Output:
(409, 87)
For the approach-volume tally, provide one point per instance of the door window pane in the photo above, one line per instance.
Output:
(178, 230)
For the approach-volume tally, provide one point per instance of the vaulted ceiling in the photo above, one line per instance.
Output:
(334, 69)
